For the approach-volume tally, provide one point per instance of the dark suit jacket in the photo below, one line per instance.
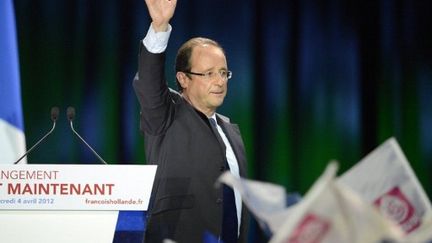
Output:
(185, 202)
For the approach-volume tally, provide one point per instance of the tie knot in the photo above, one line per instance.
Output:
(212, 122)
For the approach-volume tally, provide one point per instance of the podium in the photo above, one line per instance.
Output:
(69, 203)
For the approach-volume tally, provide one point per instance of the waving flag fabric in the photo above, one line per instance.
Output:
(266, 201)
(378, 200)
(331, 212)
(12, 140)
(423, 234)
(385, 179)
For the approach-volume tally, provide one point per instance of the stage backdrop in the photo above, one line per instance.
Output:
(313, 80)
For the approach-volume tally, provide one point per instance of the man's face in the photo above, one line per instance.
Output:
(206, 93)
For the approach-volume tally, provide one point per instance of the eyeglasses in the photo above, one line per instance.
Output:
(211, 75)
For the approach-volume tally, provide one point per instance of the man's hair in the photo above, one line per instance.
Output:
(182, 62)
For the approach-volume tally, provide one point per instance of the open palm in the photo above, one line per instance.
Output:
(161, 11)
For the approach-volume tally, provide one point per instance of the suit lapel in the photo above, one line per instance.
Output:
(232, 132)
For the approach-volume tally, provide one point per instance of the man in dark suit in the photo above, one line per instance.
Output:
(190, 143)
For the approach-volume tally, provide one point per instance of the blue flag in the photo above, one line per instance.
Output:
(12, 140)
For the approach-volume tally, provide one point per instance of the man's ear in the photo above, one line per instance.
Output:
(183, 79)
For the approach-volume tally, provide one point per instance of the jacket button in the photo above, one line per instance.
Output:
(219, 200)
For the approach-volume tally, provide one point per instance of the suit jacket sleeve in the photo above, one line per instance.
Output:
(153, 93)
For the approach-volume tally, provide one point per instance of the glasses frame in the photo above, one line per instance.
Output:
(207, 74)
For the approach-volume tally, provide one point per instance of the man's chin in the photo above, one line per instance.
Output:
(217, 102)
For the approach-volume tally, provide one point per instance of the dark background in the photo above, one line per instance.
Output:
(313, 80)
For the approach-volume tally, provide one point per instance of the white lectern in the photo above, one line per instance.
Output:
(69, 203)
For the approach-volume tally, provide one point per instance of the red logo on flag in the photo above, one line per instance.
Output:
(311, 229)
(395, 205)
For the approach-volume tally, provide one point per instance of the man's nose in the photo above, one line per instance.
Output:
(220, 80)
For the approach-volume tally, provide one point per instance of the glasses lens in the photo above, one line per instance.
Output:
(225, 74)
(228, 75)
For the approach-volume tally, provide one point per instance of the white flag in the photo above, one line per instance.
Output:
(332, 213)
(385, 179)
(423, 234)
(266, 201)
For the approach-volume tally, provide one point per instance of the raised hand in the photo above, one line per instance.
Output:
(161, 11)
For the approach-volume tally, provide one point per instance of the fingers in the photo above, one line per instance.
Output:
(161, 11)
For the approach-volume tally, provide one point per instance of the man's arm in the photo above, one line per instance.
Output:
(149, 83)
(161, 11)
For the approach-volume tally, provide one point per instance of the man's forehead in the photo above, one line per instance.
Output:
(207, 49)
(206, 46)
